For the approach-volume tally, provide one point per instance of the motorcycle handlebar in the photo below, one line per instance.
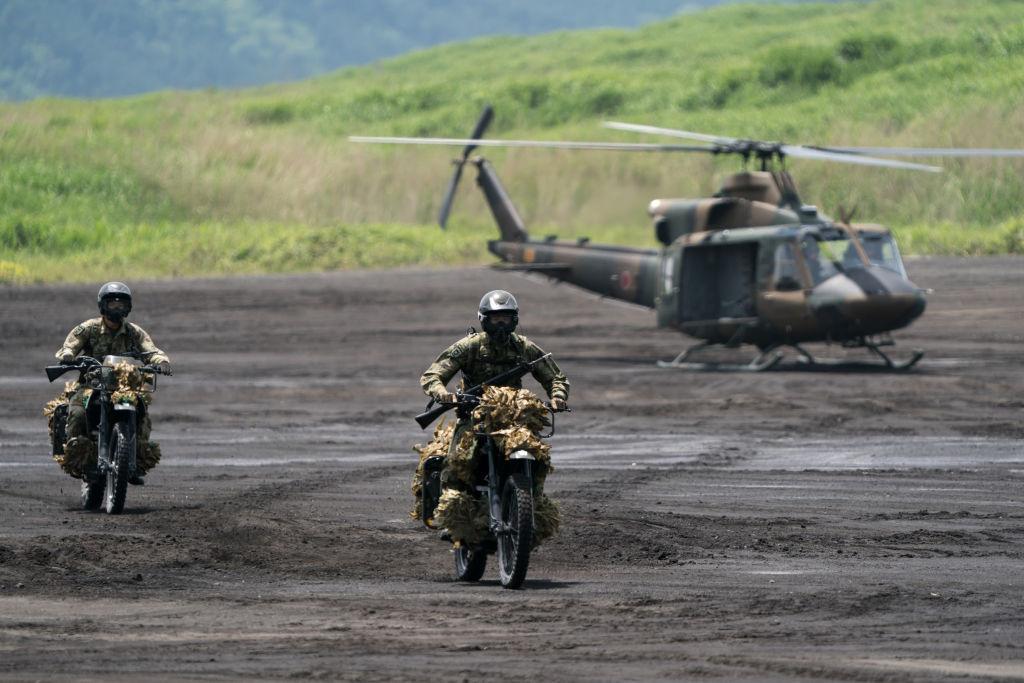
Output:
(86, 362)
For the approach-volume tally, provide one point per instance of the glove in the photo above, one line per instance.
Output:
(165, 368)
(446, 397)
(67, 358)
(558, 404)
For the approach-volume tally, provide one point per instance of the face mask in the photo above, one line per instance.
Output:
(115, 309)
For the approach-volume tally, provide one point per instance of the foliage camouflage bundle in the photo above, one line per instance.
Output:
(463, 515)
(514, 418)
(81, 453)
(131, 385)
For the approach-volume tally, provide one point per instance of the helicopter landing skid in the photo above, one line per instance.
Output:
(765, 360)
(916, 355)
(773, 355)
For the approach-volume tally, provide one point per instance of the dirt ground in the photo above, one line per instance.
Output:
(842, 524)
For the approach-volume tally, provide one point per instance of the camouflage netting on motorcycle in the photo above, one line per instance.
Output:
(464, 516)
(547, 518)
(514, 418)
(147, 457)
(131, 385)
(459, 464)
(79, 455)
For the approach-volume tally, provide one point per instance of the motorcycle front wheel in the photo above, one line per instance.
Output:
(469, 563)
(123, 443)
(516, 540)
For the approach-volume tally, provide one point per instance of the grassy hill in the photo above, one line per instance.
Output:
(264, 180)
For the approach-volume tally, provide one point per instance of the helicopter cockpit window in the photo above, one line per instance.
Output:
(823, 256)
(882, 251)
(787, 277)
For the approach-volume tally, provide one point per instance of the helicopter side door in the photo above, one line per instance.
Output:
(718, 281)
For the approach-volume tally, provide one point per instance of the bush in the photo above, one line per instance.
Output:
(1013, 236)
(269, 114)
(801, 66)
(866, 46)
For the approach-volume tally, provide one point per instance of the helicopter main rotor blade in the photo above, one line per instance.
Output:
(800, 152)
(756, 148)
(552, 144)
(926, 151)
(673, 132)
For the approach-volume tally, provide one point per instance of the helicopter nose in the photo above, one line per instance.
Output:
(866, 301)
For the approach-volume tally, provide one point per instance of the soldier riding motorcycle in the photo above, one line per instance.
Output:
(481, 478)
(102, 419)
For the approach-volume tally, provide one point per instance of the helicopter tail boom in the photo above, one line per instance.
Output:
(504, 211)
(622, 273)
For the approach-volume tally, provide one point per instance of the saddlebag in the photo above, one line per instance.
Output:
(432, 467)
(58, 428)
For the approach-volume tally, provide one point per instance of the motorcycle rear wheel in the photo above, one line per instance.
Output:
(469, 563)
(117, 475)
(514, 544)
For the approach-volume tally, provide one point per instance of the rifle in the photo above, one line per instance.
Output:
(431, 414)
(81, 363)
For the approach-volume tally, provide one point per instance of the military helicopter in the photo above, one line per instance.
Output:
(751, 265)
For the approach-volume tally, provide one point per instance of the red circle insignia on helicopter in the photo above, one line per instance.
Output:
(626, 279)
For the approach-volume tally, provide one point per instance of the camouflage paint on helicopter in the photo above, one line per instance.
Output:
(751, 265)
(734, 270)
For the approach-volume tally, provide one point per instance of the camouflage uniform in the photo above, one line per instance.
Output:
(95, 339)
(479, 359)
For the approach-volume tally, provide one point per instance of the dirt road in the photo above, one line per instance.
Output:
(788, 525)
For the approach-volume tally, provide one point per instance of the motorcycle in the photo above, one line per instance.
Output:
(506, 485)
(115, 412)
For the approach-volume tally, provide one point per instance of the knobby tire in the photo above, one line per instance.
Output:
(514, 546)
(120, 460)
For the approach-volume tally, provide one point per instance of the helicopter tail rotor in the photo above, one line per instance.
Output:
(478, 131)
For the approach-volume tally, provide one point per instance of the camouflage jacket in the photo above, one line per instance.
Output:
(479, 360)
(92, 338)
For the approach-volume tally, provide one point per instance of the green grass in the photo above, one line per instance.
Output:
(193, 249)
(264, 180)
